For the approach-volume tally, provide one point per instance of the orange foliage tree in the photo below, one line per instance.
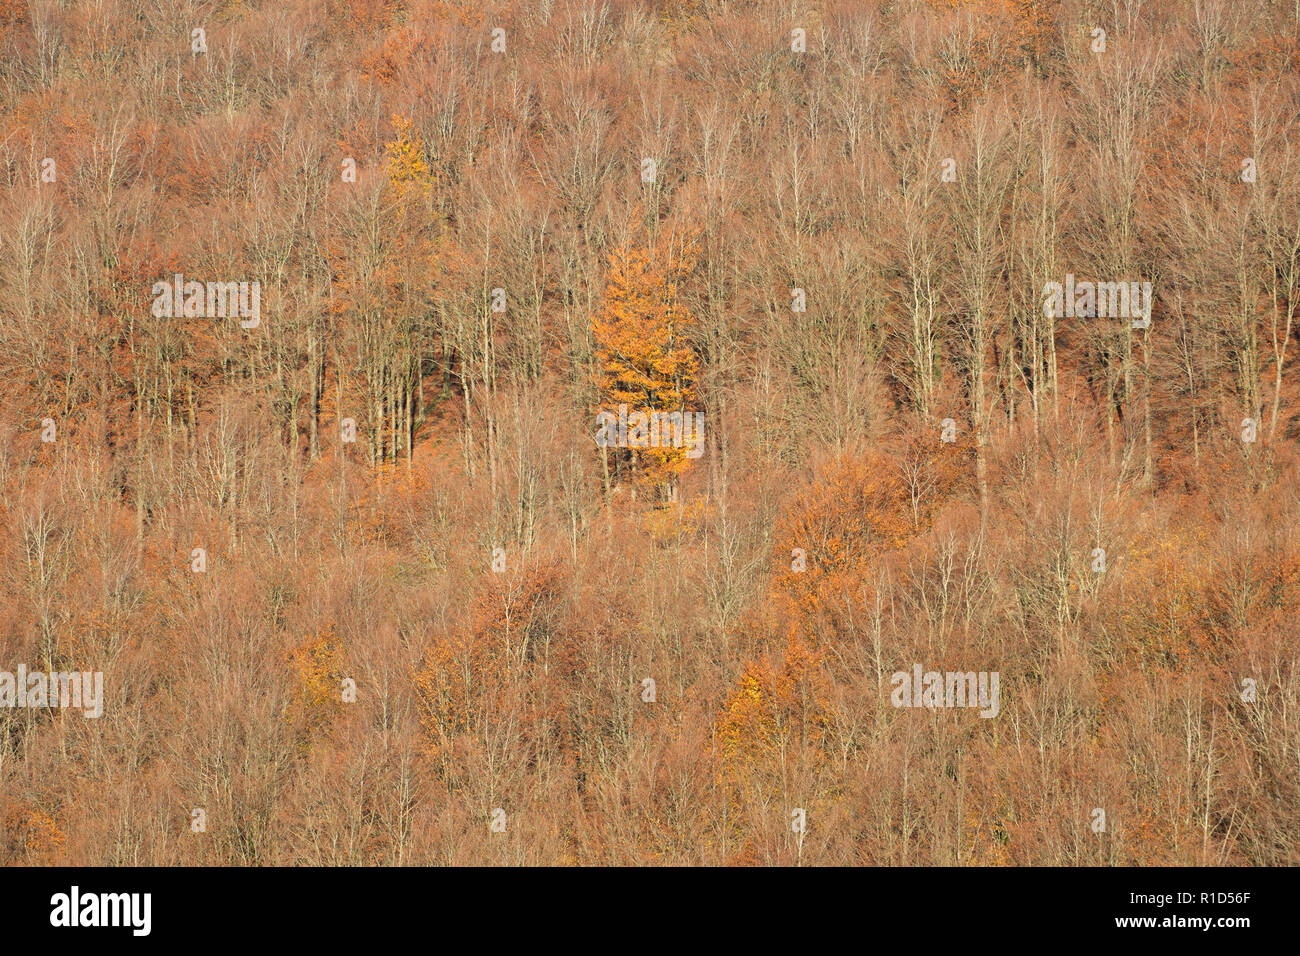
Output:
(773, 730)
(642, 340)
(408, 168)
(832, 535)
(317, 698)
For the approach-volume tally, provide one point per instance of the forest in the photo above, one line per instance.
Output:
(556, 432)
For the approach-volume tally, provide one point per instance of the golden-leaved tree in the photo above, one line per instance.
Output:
(643, 352)
(408, 169)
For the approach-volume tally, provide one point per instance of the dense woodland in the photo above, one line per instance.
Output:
(851, 213)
